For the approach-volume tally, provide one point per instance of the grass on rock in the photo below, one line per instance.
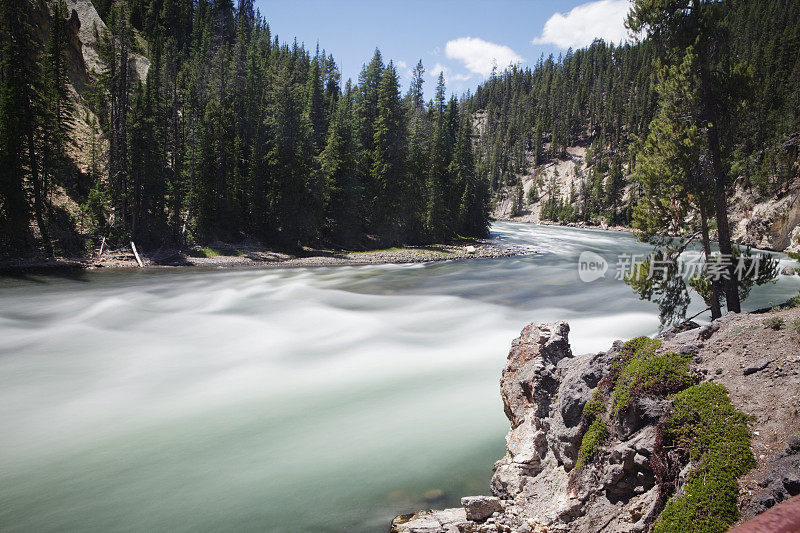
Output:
(638, 371)
(705, 425)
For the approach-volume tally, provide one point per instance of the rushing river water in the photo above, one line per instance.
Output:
(324, 399)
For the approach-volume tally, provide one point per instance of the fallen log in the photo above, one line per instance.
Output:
(136, 254)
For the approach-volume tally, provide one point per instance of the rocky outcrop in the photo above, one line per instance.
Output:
(770, 225)
(781, 481)
(537, 486)
(88, 26)
(544, 389)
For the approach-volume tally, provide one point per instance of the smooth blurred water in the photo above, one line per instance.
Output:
(325, 399)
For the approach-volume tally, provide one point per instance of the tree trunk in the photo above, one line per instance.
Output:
(33, 167)
(731, 285)
(715, 289)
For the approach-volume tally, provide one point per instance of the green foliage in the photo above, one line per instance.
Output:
(705, 426)
(593, 409)
(517, 203)
(661, 285)
(637, 371)
(794, 328)
(232, 134)
(754, 270)
(775, 322)
(592, 440)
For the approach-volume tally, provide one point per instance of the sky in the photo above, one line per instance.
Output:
(462, 38)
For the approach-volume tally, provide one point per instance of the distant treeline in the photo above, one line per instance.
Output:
(606, 95)
(232, 134)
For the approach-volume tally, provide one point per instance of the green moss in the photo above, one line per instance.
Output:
(705, 425)
(593, 408)
(637, 371)
(592, 439)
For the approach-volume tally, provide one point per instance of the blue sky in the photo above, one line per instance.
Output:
(463, 38)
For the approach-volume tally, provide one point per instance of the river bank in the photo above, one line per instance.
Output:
(224, 255)
(530, 219)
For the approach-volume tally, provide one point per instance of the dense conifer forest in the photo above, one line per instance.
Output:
(606, 96)
(232, 134)
(702, 106)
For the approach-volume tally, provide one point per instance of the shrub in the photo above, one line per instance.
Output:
(592, 409)
(592, 439)
(774, 322)
(705, 426)
(638, 371)
(794, 328)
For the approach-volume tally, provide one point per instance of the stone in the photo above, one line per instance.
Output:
(444, 521)
(479, 508)
(641, 461)
(612, 475)
(788, 271)
(791, 483)
(544, 390)
(708, 330)
(689, 348)
(793, 445)
(623, 454)
(755, 367)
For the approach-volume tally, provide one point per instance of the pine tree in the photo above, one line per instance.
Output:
(388, 159)
(614, 191)
(675, 183)
(473, 212)
(342, 190)
(315, 106)
(438, 216)
(15, 75)
(416, 95)
(677, 25)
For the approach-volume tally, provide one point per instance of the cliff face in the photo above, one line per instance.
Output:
(772, 224)
(549, 480)
(545, 389)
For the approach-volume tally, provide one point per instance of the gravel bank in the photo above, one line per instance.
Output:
(227, 256)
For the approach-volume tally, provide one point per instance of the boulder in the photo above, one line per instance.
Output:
(479, 508)
(755, 367)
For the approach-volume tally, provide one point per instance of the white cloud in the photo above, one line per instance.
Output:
(403, 69)
(448, 75)
(481, 56)
(604, 19)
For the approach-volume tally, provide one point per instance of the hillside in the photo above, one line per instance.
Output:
(174, 123)
(596, 107)
(767, 224)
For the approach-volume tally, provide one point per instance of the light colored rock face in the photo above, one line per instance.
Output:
(544, 390)
(90, 22)
(771, 225)
(479, 508)
(447, 520)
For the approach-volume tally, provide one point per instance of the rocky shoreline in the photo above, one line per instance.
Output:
(227, 256)
(548, 480)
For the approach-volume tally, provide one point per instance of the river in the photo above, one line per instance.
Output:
(305, 399)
